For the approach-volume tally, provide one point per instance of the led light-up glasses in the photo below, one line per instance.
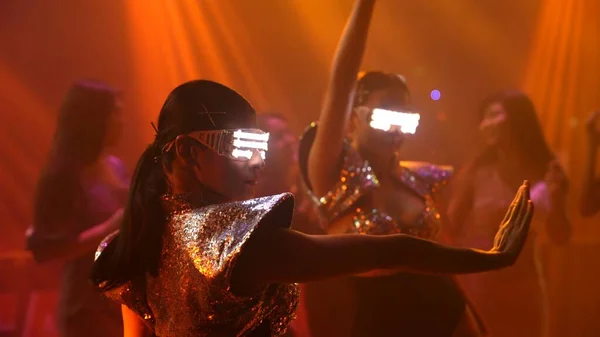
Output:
(390, 120)
(238, 144)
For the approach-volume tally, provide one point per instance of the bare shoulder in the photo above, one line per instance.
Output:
(115, 163)
(423, 175)
(428, 170)
(540, 195)
(118, 166)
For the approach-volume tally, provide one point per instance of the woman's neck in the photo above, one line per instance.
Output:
(275, 182)
(198, 194)
(514, 166)
(379, 163)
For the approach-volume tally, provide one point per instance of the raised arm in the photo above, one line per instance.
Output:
(337, 103)
(283, 255)
(590, 198)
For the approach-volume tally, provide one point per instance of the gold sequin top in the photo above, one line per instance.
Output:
(357, 179)
(191, 295)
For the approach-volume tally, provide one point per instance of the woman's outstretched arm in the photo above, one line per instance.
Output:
(282, 255)
(335, 113)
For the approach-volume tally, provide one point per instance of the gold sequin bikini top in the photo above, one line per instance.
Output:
(191, 295)
(357, 179)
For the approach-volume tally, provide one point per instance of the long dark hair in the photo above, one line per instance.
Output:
(526, 131)
(192, 106)
(82, 122)
(78, 141)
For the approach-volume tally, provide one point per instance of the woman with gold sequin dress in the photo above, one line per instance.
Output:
(196, 256)
(353, 172)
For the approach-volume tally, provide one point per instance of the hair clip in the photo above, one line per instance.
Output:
(155, 128)
(209, 114)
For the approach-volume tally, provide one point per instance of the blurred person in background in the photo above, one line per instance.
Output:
(78, 201)
(513, 301)
(280, 172)
(590, 198)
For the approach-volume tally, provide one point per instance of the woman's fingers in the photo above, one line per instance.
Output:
(512, 206)
(529, 215)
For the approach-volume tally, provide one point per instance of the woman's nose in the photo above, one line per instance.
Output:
(256, 161)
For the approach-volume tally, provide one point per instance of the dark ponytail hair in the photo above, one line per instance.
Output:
(192, 106)
(371, 81)
(137, 247)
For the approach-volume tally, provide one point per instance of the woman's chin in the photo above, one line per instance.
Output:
(248, 192)
(386, 150)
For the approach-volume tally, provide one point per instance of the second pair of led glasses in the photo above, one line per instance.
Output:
(390, 120)
(242, 144)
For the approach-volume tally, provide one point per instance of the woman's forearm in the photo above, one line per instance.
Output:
(408, 253)
(337, 104)
(351, 48)
(48, 249)
(345, 68)
(295, 257)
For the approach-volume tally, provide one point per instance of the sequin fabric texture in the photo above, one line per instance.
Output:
(191, 295)
(357, 179)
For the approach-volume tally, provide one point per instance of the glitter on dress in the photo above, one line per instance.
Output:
(191, 294)
(357, 179)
